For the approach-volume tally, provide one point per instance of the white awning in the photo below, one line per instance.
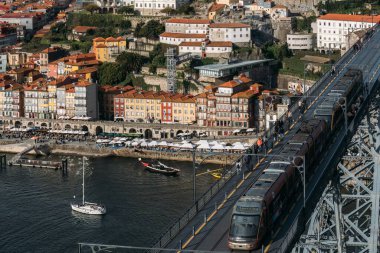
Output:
(163, 144)
(187, 146)
(218, 147)
(204, 146)
(152, 144)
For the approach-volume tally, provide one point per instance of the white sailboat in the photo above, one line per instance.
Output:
(87, 207)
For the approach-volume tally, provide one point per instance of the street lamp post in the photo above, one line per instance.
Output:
(342, 102)
(302, 170)
(194, 176)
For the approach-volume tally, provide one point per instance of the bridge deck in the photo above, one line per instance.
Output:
(213, 234)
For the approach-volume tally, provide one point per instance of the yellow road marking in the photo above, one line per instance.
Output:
(268, 247)
(241, 182)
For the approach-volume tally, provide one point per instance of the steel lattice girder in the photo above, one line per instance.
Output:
(350, 210)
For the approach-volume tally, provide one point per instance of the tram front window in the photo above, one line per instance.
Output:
(245, 226)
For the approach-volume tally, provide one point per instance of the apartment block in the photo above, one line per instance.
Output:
(332, 29)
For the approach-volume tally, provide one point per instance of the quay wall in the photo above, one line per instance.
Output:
(92, 151)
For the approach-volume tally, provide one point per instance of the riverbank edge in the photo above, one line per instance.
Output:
(126, 152)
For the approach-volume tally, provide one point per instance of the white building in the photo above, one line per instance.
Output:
(183, 25)
(237, 33)
(206, 49)
(31, 21)
(299, 41)
(333, 28)
(3, 63)
(177, 38)
(154, 7)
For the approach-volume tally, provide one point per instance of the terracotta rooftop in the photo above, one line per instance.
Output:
(210, 44)
(187, 21)
(111, 39)
(99, 39)
(244, 94)
(229, 25)
(182, 35)
(354, 18)
(86, 70)
(83, 29)
(219, 44)
(83, 83)
(20, 15)
(236, 82)
(216, 7)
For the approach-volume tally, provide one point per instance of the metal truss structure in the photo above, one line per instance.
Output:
(346, 218)
(171, 62)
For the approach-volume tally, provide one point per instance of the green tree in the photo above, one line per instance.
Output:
(168, 11)
(152, 30)
(158, 49)
(130, 62)
(111, 73)
(186, 9)
(159, 61)
(127, 10)
(125, 24)
(92, 8)
(137, 32)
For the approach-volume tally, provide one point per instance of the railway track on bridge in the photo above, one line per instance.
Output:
(358, 59)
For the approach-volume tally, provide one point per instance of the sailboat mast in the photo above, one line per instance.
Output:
(83, 181)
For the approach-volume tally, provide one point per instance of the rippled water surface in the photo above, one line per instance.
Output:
(35, 213)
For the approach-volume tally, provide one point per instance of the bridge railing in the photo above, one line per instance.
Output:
(174, 229)
(297, 227)
(203, 200)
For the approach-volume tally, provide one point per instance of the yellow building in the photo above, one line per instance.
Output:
(52, 94)
(138, 106)
(180, 109)
(108, 49)
(149, 106)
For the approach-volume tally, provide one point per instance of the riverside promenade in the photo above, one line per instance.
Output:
(90, 149)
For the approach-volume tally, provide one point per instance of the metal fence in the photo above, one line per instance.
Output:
(194, 210)
(297, 226)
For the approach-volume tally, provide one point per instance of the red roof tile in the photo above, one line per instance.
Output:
(84, 29)
(187, 21)
(183, 35)
(354, 18)
(217, 7)
(229, 25)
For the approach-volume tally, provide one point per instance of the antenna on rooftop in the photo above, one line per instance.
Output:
(171, 62)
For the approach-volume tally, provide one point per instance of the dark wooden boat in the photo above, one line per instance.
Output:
(159, 167)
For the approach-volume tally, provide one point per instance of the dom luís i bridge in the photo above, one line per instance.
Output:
(316, 189)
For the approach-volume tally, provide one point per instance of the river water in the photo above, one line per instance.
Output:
(35, 213)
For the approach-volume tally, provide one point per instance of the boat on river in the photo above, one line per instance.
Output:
(159, 167)
(88, 207)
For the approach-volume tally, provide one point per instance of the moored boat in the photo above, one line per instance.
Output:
(159, 167)
(87, 207)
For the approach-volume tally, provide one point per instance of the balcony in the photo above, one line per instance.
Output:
(80, 105)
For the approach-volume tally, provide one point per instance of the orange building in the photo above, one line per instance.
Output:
(107, 49)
